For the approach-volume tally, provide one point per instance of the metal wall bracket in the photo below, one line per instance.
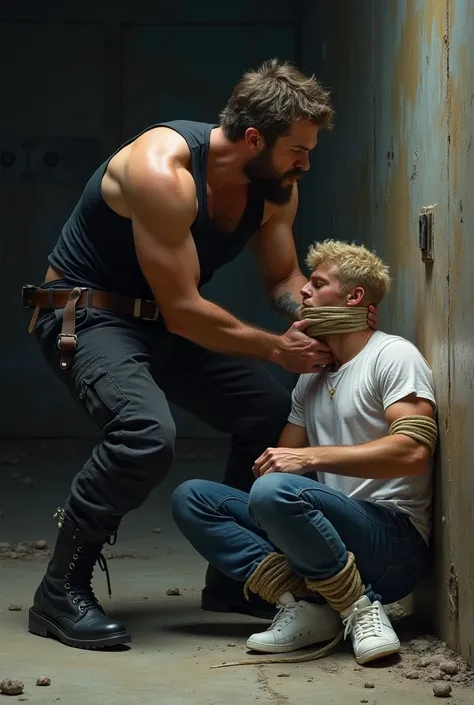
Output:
(426, 233)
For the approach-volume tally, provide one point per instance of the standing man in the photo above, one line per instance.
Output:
(121, 320)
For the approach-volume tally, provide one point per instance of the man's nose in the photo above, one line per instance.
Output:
(303, 163)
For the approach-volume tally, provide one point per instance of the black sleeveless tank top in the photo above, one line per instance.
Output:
(96, 248)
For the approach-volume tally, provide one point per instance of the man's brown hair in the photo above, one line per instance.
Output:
(273, 97)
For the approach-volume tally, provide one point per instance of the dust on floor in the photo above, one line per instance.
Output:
(156, 583)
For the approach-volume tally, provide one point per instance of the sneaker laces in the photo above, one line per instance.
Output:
(285, 615)
(363, 622)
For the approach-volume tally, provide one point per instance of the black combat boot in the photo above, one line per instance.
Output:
(64, 604)
(222, 594)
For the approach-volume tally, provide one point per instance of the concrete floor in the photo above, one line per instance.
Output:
(174, 641)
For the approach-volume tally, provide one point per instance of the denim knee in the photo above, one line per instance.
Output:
(185, 498)
(271, 496)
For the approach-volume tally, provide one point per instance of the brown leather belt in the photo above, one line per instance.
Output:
(79, 297)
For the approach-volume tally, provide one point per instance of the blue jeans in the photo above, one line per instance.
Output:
(312, 525)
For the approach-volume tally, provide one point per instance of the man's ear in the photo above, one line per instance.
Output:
(355, 297)
(253, 139)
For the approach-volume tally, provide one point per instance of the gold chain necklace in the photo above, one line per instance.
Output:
(332, 390)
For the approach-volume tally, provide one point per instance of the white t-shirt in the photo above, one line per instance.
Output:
(387, 369)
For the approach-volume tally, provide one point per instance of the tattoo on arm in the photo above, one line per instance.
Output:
(286, 306)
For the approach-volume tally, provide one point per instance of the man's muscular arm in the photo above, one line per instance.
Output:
(274, 248)
(161, 196)
(275, 251)
(388, 457)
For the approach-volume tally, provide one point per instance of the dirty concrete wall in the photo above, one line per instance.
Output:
(402, 142)
(460, 226)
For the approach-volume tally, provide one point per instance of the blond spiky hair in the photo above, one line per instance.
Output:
(357, 266)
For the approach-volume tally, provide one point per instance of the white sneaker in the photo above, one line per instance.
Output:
(372, 634)
(296, 624)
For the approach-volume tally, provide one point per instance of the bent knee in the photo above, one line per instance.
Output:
(148, 444)
(266, 494)
(279, 493)
(185, 493)
(189, 500)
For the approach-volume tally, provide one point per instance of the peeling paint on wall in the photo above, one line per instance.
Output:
(420, 141)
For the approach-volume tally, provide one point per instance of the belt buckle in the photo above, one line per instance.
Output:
(137, 309)
(66, 348)
(25, 290)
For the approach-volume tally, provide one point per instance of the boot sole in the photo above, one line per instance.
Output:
(213, 602)
(40, 625)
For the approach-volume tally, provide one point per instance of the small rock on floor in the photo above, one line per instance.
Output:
(449, 667)
(157, 530)
(420, 644)
(173, 591)
(41, 545)
(44, 680)
(364, 700)
(11, 687)
(412, 675)
(441, 689)
(229, 645)
(369, 685)
(14, 608)
(283, 675)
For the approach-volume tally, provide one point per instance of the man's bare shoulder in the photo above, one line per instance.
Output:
(155, 166)
(161, 144)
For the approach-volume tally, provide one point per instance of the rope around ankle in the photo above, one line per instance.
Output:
(340, 591)
(335, 319)
(272, 577)
(343, 589)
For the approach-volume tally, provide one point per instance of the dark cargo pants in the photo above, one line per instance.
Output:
(123, 373)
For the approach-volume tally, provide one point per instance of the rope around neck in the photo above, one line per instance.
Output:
(329, 320)
(273, 576)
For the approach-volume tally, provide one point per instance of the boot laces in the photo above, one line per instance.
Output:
(363, 622)
(81, 590)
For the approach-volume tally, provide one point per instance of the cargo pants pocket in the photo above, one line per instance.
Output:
(100, 394)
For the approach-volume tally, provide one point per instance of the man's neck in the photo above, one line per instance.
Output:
(346, 346)
(225, 161)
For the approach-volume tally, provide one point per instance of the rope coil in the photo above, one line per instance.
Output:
(421, 428)
(273, 577)
(328, 320)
